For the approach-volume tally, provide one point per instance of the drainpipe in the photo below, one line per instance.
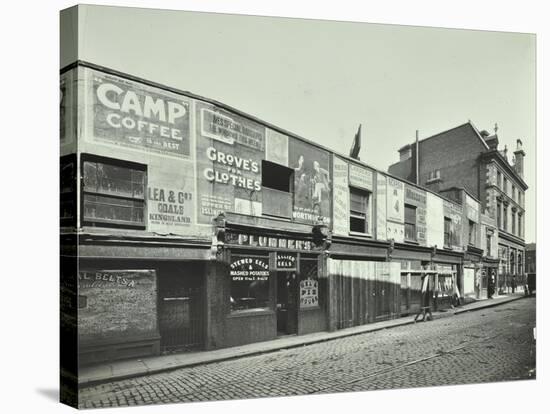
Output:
(417, 163)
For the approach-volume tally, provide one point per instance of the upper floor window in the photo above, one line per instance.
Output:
(520, 227)
(67, 187)
(471, 232)
(513, 193)
(113, 192)
(434, 175)
(488, 244)
(520, 198)
(513, 222)
(359, 211)
(277, 189)
(499, 179)
(505, 218)
(499, 215)
(410, 222)
(505, 185)
(447, 232)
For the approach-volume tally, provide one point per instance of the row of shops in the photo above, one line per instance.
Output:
(252, 284)
(188, 225)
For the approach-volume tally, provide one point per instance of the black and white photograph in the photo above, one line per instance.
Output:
(282, 207)
(262, 209)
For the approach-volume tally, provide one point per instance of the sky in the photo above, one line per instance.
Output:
(321, 79)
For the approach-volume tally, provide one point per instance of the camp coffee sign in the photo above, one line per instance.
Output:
(134, 115)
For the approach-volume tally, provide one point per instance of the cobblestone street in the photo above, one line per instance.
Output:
(494, 344)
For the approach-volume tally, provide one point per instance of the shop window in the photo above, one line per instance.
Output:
(471, 232)
(277, 189)
(249, 278)
(447, 232)
(113, 193)
(410, 222)
(67, 190)
(359, 211)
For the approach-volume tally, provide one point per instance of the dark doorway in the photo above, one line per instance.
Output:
(180, 310)
(287, 303)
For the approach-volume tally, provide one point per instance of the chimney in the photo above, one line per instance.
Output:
(504, 153)
(520, 154)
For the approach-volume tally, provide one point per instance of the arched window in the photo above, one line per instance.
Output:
(512, 263)
(520, 264)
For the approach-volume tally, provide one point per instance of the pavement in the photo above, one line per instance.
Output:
(120, 370)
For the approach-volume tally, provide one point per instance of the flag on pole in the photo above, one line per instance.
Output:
(356, 146)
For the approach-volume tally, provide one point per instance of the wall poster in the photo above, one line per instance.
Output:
(416, 197)
(276, 147)
(134, 115)
(230, 150)
(435, 221)
(381, 201)
(395, 200)
(112, 303)
(360, 177)
(171, 199)
(312, 184)
(340, 199)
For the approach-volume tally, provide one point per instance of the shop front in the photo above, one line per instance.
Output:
(139, 301)
(269, 283)
(476, 278)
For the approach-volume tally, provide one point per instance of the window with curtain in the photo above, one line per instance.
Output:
(410, 222)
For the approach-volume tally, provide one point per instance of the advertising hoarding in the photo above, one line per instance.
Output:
(134, 115)
(340, 200)
(229, 155)
(381, 202)
(360, 177)
(417, 197)
(395, 199)
(435, 221)
(312, 184)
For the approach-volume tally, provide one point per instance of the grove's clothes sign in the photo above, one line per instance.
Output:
(312, 184)
(134, 115)
(230, 150)
(340, 197)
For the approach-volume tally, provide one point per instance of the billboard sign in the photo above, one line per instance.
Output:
(340, 199)
(312, 184)
(230, 150)
(135, 115)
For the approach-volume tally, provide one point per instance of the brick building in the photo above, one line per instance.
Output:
(463, 157)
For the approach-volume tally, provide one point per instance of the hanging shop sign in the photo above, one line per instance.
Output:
(309, 293)
(134, 115)
(230, 150)
(312, 183)
(244, 239)
(286, 261)
(340, 197)
(360, 177)
(249, 269)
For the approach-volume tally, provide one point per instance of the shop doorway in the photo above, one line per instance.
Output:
(180, 312)
(287, 303)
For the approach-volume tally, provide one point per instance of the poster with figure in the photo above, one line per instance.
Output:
(312, 183)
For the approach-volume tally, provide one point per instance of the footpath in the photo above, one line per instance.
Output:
(118, 370)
